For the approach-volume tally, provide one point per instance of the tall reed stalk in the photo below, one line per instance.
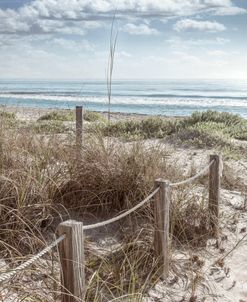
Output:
(110, 66)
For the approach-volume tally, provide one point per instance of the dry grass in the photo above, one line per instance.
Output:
(41, 183)
(112, 176)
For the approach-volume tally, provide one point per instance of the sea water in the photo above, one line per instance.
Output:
(158, 97)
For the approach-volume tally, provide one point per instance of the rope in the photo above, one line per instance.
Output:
(8, 275)
(114, 219)
(103, 223)
(24, 265)
(191, 179)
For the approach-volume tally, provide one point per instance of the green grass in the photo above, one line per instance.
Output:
(63, 116)
(49, 127)
(7, 115)
(8, 119)
(202, 130)
(69, 116)
(91, 116)
(54, 122)
(229, 125)
(145, 129)
(222, 124)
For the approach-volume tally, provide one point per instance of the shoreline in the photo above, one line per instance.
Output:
(33, 113)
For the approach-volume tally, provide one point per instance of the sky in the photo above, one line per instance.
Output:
(156, 39)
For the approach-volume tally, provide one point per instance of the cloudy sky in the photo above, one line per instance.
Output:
(69, 39)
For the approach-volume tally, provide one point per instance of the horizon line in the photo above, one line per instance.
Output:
(118, 79)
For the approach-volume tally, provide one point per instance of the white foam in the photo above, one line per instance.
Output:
(145, 101)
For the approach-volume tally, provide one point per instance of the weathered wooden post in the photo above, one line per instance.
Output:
(214, 194)
(161, 221)
(71, 252)
(79, 129)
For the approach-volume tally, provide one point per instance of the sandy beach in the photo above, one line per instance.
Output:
(226, 282)
(32, 113)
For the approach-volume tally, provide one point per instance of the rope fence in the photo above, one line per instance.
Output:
(191, 179)
(114, 219)
(24, 265)
(70, 233)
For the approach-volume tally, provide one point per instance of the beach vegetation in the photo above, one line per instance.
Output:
(43, 182)
(228, 124)
(153, 127)
(7, 118)
(92, 116)
(49, 127)
(69, 116)
(7, 115)
(59, 115)
(110, 66)
(202, 130)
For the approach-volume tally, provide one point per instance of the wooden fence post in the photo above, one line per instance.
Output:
(161, 221)
(214, 194)
(79, 128)
(71, 252)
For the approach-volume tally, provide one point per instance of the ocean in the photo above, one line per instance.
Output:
(158, 97)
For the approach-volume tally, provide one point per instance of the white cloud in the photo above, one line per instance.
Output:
(11, 22)
(26, 18)
(183, 56)
(193, 44)
(194, 25)
(217, 3)
(218, 53)
(32, 38)
(223, 53)
(178, 42)
(230, 11)
(72, 45)
(140, 29)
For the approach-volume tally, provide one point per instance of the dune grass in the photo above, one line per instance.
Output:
(69, 116)
(226, 124)
(91, 116)
(42, 183)
(208, 129)
(60, 121)
(7, 119)
(60, 115)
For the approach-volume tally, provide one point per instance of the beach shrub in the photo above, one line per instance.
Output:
(69, 116)
(63, 116)
(49, 127)
(91, 116)
(204, 134)
(7, 115)
(230, 125)
(202, 129)
(153, 127)
(198, 138)
(226, 118)
(221, 124)
(125, 129)
(158, 127)
(7, 119)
